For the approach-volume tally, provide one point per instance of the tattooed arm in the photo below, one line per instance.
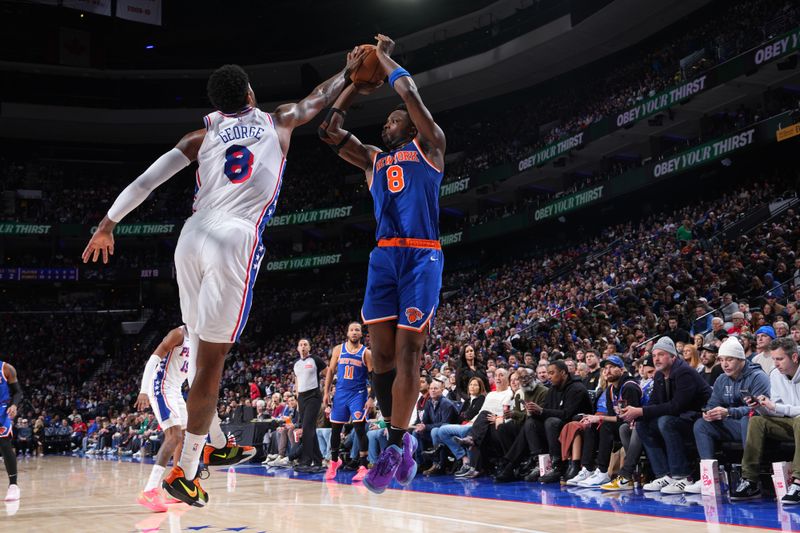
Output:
(289, 116)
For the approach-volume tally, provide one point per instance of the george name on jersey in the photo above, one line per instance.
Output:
(407, 155)
(235, 133)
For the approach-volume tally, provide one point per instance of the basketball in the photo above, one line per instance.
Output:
(370, 72)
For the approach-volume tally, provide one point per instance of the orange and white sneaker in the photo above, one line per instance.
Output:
(230, 455)
(362, 471)
(333, 466)
(153, 500)
(185, 490)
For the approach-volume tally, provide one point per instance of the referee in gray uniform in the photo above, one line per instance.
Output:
(306, 373)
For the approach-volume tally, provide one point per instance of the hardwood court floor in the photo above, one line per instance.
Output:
(64, 494)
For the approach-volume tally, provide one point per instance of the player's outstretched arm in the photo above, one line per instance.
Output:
(344, 143)
(171, 340)
(430, 132)
(289, 116)
(166, 166)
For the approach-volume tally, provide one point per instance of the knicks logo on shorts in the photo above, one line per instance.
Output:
(357, 415)
(414, 315)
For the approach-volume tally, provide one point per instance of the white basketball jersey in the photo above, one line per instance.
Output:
(174, 368)
(240, 166)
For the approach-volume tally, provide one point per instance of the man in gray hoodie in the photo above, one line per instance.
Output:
(779, 420)
(726, 416)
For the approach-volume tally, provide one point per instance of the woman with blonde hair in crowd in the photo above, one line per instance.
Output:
(692, 357)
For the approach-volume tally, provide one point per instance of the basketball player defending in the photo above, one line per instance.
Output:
(405, 269)
(241, 153)
(10, 398)
(351, 362)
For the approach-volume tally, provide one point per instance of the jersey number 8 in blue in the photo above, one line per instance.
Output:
(238, 163)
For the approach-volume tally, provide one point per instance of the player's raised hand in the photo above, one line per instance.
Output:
(354, 59)
(102, 242)
(385, 45)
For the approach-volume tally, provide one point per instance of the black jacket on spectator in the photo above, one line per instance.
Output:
(470, 408)
(567, 401)
(463, 376)
(592, 379)
(679, 335)
(632, 393)
(439, 413)
(684, 394)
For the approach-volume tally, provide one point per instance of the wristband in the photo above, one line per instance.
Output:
(396, 74)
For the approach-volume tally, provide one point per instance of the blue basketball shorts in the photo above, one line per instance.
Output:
(349, 406)
(403, 284)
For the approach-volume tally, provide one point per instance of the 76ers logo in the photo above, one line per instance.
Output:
(413, 315)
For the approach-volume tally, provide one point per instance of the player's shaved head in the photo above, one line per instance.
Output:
(228, 87)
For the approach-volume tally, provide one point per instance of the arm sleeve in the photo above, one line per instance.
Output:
(16, 392)
(149, 373)
(137, 192)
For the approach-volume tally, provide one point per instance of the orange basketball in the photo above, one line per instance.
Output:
(370, 72)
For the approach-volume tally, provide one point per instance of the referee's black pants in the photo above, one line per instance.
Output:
(310, 405)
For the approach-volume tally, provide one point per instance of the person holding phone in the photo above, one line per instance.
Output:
(779, 420)
(727, 414)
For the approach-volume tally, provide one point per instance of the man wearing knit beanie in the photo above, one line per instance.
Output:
(764, 336)
(726, 416)
(665, 424)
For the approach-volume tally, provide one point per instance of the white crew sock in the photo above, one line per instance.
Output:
(190, 455)
(216, 437)
(155, 478)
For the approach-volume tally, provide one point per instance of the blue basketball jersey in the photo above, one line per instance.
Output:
(405, 191)
(352, 374)
(4, 395)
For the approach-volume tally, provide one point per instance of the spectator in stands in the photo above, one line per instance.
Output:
(738, 323)
(438, 412)
(485, 423)
(470, 366)
(691, 357)
(711, 368)
(717, 326)
(795, 333)
(665, 423)
(781, 329)
(518, 438)
(442, 436)
(602, 429)
(726, 415)
(566, 398)
(728, 307)
(701, 323)
(780, 420)
(78, 432)
(676, 333)
(764, 336)
(592, 379)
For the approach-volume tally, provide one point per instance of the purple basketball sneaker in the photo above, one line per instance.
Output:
(407, 469)
(382, 472)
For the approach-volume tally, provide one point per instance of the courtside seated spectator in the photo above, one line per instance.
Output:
(665, 424)
(726, 416)
(779, 420)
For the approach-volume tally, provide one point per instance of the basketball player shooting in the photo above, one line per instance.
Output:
(241, 153)
(405, 269)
